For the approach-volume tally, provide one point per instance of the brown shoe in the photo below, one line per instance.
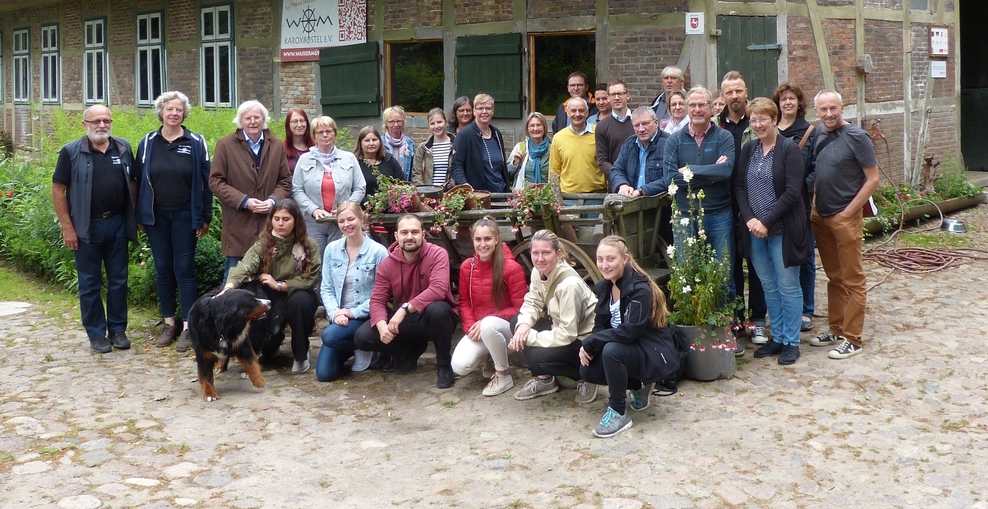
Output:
(168, 335)
(184, 343)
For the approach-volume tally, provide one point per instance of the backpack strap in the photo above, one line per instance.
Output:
(806, 137)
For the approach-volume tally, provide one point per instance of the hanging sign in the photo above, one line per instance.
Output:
(309, 25)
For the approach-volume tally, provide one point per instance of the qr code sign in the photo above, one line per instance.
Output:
(353, 20)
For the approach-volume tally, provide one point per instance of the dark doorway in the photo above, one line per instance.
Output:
(973, 16)
(553, 58)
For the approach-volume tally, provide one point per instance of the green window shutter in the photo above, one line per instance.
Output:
(492, 64)
(350, 80)
(748, 45)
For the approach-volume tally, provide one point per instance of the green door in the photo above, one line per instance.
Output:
(491, 64)
(748, 44)
(349, 78)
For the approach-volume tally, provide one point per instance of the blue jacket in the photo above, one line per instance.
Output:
(80, 189)
(334, 266)
(714, 179)
(625, 170)
(470, 164)
(202, 197)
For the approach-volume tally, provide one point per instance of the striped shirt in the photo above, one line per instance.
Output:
(440, 162)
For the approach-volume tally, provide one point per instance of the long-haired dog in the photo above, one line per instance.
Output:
(220, 327)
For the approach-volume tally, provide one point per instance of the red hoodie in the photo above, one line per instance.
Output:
(477, 293)
(421, 282)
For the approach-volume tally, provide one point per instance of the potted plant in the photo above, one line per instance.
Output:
(533, 200)
(453, 202)
(393, 196)
(698, 289)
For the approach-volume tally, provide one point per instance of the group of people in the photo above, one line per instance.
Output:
(773, 188)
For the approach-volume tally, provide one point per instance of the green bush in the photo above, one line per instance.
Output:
(209, 264)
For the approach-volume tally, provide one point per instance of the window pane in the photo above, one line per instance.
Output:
(919, 4)
(417, 75)
(99, 77)
(142, 76)
(555, 58)
(89, 33)
(142, 29)
(156, 27)
(224, 74)
(224, 22)
(156, 78)
(209, 75)
(207, 24)
(99, 34)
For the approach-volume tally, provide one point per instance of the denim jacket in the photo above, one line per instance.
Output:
(334, 267)
(307, 181)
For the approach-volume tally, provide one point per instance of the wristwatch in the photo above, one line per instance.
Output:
(278, 286)
(405, 307)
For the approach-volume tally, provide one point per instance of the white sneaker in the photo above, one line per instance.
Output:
(361, 360)
(499, 384)
(301, 367)
(758, 336)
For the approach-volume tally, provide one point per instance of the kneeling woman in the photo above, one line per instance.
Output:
(349, 269)
(492, 289)
(631, 345)
(283, 265)
(558, 293)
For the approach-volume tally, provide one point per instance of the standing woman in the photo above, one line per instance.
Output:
(478, 151)
(529, 160)
(431, 165)
(793, 125)
(174, 206)
(462, 114)
(677, 118)
(348, 272)
(492, 290)
(396, 142)
(297, 137)
(632, 344)
(326, 176)
(371, 155)
(769, 188)
(558, 293)
(283, 265)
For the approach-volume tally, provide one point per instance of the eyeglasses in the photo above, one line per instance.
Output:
(99, 122)
(618, 94)
(326, 132)
(760, 120)
(298, 121)
(395, 122)
(698, 106)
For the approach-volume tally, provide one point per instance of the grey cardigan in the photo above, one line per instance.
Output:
(307, 181)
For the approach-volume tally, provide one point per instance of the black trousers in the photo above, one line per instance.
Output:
(618, 367)
(555, 361)
(434, 323)
(297, 311)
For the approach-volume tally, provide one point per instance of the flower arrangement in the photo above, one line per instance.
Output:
(392, 196)
(448, 209)
(535, 199)
(698, 284)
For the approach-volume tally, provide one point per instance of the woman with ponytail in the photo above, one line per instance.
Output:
(632, 345)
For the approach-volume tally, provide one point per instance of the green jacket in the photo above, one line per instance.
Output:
(283, 266)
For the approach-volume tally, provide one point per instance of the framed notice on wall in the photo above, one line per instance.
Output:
(939, 41)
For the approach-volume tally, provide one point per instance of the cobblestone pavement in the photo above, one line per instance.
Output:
(902, 425)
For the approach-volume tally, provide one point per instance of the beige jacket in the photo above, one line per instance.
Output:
(571, 308)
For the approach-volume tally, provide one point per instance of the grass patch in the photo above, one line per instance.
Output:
(933, 240)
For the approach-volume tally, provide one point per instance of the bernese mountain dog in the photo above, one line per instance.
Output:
(220, 327)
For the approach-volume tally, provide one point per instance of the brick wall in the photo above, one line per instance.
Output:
(637, 56)
(412, 14)
(553, 10)
(254, 19)
(298, 88)
(884, 4)
(183, 73)
(255, 68)
(889, 160)
(940, 133)
(804, 62)
(835, 2)
(181, 23)
(653, 7)
(121, 79)
(120, 29)
(370, 15)
(481, 11)
(883, 41)
(839, 34)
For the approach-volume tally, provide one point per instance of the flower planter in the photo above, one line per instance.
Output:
(873, 225)
(711, 355)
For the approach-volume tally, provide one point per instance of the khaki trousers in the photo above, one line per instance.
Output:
(839, 241)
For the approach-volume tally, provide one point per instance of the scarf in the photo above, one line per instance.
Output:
(323, 157)
(535, 153)
(298, 251)
(399, 148)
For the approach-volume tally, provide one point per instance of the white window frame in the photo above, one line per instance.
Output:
(51, 66)
(150, 53)
(94, 81)
(214, 42)
(22, 66)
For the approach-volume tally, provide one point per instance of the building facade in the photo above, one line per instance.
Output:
(876, 53)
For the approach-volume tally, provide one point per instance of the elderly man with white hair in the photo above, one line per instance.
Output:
(250, 171)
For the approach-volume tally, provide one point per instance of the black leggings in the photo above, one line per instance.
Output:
(556, 361)
(436, 322)
(618, 367)
(297, 311)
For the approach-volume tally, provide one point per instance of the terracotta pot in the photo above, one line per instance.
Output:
(418, 206)
(481, 199)
(711, 355)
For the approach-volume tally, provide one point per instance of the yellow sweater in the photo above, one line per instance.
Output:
(574, 158)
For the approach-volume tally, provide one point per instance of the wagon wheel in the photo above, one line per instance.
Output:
(585, 267)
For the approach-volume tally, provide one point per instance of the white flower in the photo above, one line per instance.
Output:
(701, 195)
(673, 189)
(687, 289)
(690, 241)
(702, 234)
(671, 251)
(687, 174)
(685, 221)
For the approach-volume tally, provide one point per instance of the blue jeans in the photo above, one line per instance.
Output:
(783, 296)
(807, 280)
(173, 245)
(337, 347)
(107, 248)
(719, 228)
(231, 262)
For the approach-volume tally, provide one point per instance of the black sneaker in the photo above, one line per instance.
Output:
(824, 339)
(406, 364)
(444, 380)
(769, 349)
(100, 345)
(845, 349)
(120, 341)
(789, 355)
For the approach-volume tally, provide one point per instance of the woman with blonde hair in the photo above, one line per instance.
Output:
(632, 344)
(431, 164)
(396, 142)
(529, 160)
(325, 176)
(557, 293)
(478, 151)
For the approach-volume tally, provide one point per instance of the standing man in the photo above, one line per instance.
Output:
(602, 102)
(93, 191)
(573, 154)
(414, 280)
(735, 119)
(846, 176)
(250, 171)
(638, 171)
(611, 132)
(672, 79)
(576, 85)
